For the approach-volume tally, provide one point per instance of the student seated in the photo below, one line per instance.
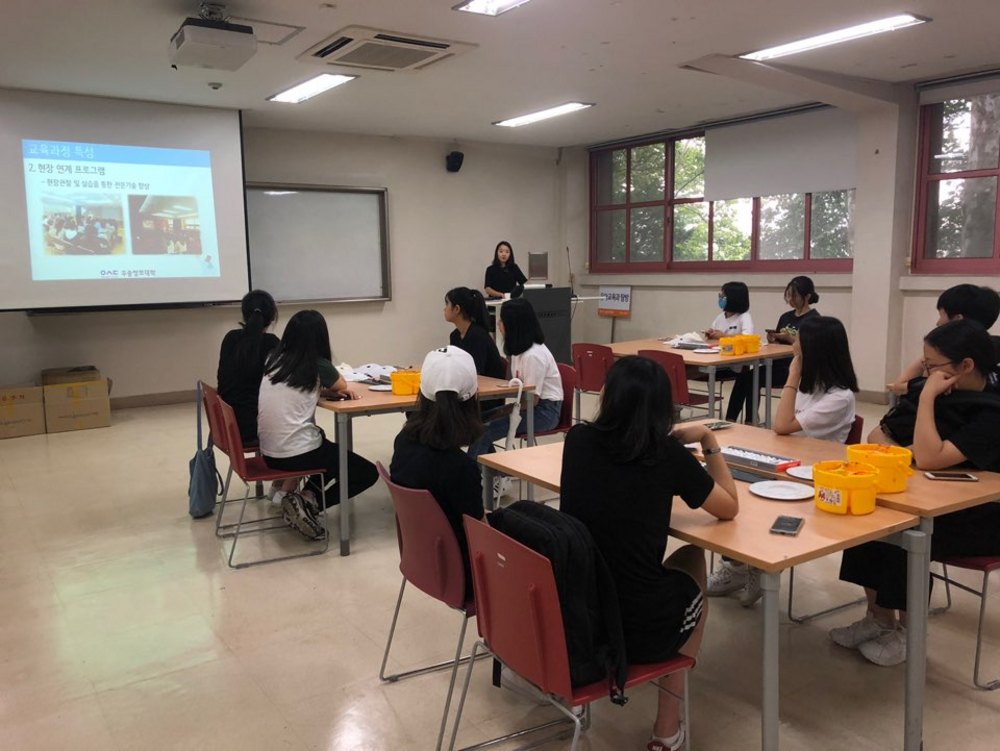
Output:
(295, 376)
(619, 476)
(817, 401)
(465, 309)
(427, 453)
(241, 360)
(951, 418)
(980, 304)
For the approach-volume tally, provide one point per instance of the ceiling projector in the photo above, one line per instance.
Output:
(218, 45)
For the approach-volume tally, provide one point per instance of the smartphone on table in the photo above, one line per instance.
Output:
(954, 476)
(721, 425)
(787, 525)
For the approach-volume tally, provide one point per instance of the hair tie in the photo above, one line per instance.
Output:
(258, 310)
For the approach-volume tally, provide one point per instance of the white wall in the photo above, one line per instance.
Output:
(442, 231)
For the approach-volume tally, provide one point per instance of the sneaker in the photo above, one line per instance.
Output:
(311, 502)
(728, 578)
(272, 493)
(295, 514)
(752, 592)
(886, 650)
(277, 498)
(501, 486)
(859, 632)
(670, 744)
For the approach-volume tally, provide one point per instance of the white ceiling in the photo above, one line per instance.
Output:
(622, 54)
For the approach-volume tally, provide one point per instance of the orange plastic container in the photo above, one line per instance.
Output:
(751, 343)
(732, 345)
(845, 487)
(892, 463)
(405, 382)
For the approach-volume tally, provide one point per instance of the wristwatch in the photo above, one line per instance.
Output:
(710, 452)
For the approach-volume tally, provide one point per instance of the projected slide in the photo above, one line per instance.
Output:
(99, 211)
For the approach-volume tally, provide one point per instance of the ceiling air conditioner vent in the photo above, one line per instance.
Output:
(363, 47)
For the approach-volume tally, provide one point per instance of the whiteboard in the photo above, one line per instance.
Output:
(318, 243)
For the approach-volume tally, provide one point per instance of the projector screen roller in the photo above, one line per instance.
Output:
(122, 203)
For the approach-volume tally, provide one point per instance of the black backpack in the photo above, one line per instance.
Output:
(587, 593)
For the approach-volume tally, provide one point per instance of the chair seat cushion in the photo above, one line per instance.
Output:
(976, 563)
(636, 674)
(258, 471)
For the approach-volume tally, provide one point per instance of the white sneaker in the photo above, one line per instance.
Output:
(277, 497)
(726, 579)
(670, 744)
(859, 632)
(886, 650)
(752, 592)
(273, 491)
(501, 486)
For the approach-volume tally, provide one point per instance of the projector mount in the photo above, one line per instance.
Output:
(212, 11)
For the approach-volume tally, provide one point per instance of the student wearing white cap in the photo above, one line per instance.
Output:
(428, 452)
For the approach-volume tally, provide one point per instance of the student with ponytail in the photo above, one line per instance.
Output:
(241, 359)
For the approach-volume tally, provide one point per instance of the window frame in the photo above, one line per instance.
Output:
(920, 264)
(668, 265)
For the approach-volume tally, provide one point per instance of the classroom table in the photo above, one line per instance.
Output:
(384, 402)
(711, 363)
(747, 539)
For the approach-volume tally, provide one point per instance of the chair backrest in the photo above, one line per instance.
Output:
(854, 436)
(567, 373)
(517, 607)
(429, 555)
(211, 399)
(673, 365)
(592, 363)
(233, 440)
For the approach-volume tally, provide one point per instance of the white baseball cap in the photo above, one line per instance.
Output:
(449, 369)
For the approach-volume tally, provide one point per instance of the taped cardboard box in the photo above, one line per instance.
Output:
(77, 406)
(21, 411)
(77, 374)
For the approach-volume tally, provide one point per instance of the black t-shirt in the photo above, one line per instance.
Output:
(626, 507)
(452, 477)
(779, 368)
(504, 278)
(238, 386)
(478, 343)
(977, 435)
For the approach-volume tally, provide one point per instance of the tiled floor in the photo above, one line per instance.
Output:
(122, 628)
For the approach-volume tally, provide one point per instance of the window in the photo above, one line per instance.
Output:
(957, 209)
(649, 213)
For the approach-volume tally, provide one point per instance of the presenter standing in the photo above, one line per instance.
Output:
(503, 274)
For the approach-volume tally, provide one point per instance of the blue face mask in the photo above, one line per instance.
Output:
(722, 303)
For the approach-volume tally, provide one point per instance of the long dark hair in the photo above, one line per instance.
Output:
(445, 423)
(805, 287)
(496, 252)
(296, 360)
(470, 302)
(737, 297)
(259, 312)
(965, 338)
(826, 356)
(520, 326)
(636, 413)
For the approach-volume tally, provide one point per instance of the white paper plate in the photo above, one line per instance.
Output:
(381, 387)
(706, 351)
(803, 473)
(782, 490)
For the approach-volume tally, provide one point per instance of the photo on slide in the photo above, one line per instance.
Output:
(81, 224)
(164, 225)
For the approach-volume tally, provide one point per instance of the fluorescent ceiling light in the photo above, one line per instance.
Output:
(534, 117)
(312, 87)
(836, 37)
(489, 7)
(280, 192)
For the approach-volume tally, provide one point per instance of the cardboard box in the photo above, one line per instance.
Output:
(77, 405)
(80, 373)
(21, 411)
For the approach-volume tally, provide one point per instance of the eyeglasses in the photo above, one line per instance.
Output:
(931, 366)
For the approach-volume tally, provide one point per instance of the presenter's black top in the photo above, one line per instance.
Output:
(626, 506)
(779, 368)
(239, 387)
(503, 279)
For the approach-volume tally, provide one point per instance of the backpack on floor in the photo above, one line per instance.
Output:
(587, 593)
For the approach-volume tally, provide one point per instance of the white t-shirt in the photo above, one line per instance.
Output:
(286, 420)
(738, 324)
(825, 414)
(537, 367)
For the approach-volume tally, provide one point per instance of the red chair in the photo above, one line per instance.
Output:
(253, 470)
(985, 565)
(567, 374)
(431, 560)
(592, 363)
(857, 428)
(676, 371)
(521, 624)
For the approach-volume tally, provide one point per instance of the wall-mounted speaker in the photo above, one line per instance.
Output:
(453, 162)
